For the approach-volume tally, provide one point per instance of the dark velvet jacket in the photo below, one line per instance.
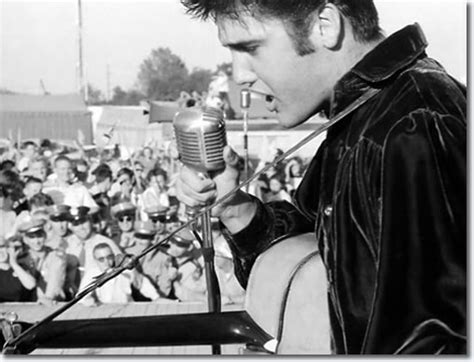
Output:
(386, 197)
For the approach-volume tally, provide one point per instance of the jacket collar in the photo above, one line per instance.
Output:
(387, 59)
(392, 55)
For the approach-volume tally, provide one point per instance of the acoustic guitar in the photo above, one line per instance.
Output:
(287, 296)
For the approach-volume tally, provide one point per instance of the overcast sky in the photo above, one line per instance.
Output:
(38, 39)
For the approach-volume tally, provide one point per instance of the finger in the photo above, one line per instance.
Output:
(191, 197)
(195, 181)
(231, 157)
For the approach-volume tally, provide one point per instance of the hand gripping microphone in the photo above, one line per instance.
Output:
(200, 137)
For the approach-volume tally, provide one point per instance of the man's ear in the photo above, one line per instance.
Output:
(330, 26)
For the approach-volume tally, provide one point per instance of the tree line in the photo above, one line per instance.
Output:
(162, 76)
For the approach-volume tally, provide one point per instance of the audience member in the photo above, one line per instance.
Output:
(124, 213)
(7, 215)
(60, 187)
(30, 150)
(39, 167)
(148, 160)
(276, 190)
(59, 230)
(16, 283)
(118, 289)
(190, 282)
(156, 192)
(140, 177)
(294, 174)
(84, 238)
(157, 264)
(48, 266)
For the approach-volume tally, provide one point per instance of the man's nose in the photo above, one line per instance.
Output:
(242, 72)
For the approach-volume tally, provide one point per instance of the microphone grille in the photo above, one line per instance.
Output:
(201, 137)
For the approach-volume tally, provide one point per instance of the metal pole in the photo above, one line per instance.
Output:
(82, 88)
(213, 291)
(245, 105)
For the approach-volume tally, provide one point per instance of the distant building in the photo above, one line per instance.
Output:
(55, 117)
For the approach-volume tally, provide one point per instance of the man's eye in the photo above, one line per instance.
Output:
(251, 49)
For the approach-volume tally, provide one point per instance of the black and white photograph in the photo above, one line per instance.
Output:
(234, 178)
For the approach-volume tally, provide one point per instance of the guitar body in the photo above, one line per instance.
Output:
(287, 296)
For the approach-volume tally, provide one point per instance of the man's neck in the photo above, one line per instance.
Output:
(38, 253)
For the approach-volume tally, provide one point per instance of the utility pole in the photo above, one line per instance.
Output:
(82, 84)
(108, 83)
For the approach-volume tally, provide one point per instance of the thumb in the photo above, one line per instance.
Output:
(230, 175)
(231, 157)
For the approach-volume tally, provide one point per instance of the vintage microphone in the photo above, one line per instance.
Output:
(245, 105)
(201, 138)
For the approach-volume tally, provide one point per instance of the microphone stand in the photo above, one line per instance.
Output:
(245, 105)
(213, 291)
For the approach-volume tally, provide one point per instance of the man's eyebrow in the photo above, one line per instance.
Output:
(243, 45)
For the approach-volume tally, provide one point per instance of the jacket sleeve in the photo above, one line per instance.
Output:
(421, 293)
(271, 221)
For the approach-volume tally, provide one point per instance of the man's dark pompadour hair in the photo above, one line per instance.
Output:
(295, 14)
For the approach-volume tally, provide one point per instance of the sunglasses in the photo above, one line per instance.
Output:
(138, 170)
(58, 218)
(124, 218)
(144, 236)
(35, 234)
(101, 259)
(160, 218)
(78, 222)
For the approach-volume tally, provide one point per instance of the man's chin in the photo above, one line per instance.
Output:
(289, 122)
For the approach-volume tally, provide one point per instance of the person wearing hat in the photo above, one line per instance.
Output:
(124, 213)
(16, 283)
(37, 208)
(84, 238)
(157, 264)
(157, 214)
(190, 282)
(48, 266)
(120, 289)
(59, 230)
(58, 239)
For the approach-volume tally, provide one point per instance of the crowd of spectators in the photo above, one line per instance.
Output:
(66, 218)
